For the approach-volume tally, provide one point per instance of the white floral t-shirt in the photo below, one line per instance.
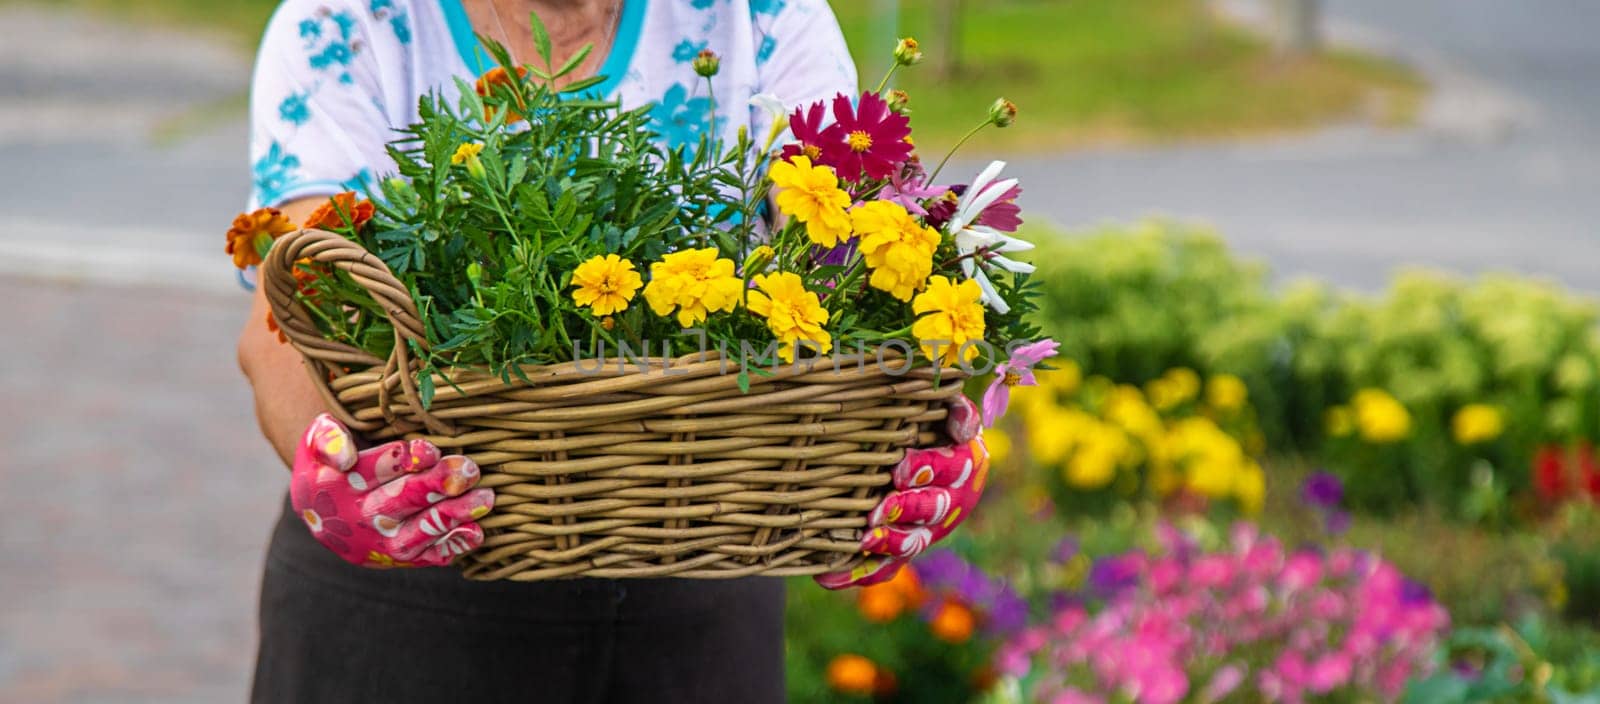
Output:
(336, 78)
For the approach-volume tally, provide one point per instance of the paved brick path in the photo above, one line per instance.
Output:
(135, 496)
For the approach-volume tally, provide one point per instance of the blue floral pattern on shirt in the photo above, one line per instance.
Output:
(681, 118)
(274, 172)
(295, 109)
(335, 55)
(687, 49)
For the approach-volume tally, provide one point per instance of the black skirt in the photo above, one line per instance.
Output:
(334, 632)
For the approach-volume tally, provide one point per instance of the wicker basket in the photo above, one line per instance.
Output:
(630, 473)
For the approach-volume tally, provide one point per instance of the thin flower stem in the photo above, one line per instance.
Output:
(711, 97)
(885, 82)
(953, 150)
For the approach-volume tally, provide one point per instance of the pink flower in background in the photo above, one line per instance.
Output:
(1249, 621)
(1016, 371)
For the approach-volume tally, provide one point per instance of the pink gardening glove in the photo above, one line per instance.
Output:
(395, 505)
(935, 490)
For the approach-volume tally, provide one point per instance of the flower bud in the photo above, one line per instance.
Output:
(758, 260)
(1003, 112)
(899, 102)
(475, 274)
(608, 323)
(907, 53)
(706, 63)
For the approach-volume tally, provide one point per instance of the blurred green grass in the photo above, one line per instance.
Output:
(1083, 72)
(1097, 71)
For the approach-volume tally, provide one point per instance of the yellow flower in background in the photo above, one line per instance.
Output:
(1339, 422)
(1126, 407)
(1250, 488)
(1379, 417)
(605, 284)
(1053, 432)
(1163, 395)
(949, 315)
(1226, 392)
(1211, 458)
(998, 441)
(898, 249)
(793, 314)
(1101, 449)
(811, 195)
(1185, 382)
(1477, 422)
(695, 282)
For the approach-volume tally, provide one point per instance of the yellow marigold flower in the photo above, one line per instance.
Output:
(253, 233)
(1339, 422)
(605, 284)
(1379, 417)
(998, 442)
(1185, 383)
(949, 315)
(1064, 379)
(468, 151)
(1102, 448)
(793, 314)
(1226, 392)
(694, 282)
(898, 249)
(1126, 407)
(1477, 422)
(1250, 488)
(1052, 433)
(811, 195)
(1163, 394)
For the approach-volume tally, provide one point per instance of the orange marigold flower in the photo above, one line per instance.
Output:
(251, 231)
(342, 210)
(905, 581)
(953, 623)
(880, 603)
(272, 326)
(852, 674)
(306, 272)
(497, 76)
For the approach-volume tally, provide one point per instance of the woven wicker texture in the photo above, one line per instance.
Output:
(610, 470)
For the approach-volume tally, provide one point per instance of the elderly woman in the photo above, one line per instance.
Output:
(334, 80)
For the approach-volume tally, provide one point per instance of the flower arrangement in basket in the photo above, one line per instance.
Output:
(654, 381)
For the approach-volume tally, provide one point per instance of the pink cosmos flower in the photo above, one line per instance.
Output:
(906, 187)
(1018, 370)
(865, 139)
(806, 126)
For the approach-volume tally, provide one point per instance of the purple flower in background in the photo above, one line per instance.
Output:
(1110, 575)
(1065, 550)
(944, 572)
(1336, 522)
(1414, 593)
(1322, 490)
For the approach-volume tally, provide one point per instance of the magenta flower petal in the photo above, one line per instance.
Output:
(995, 400)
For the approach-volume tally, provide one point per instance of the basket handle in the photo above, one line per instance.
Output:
(327, 358)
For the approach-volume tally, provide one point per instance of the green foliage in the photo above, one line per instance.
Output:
(1129, 302)
(1528, 663)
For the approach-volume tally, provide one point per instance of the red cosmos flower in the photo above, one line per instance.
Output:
(1549, 476)
(868, 138)
(807, 127)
